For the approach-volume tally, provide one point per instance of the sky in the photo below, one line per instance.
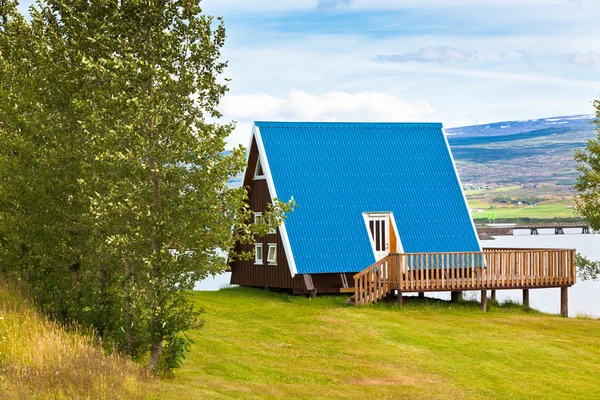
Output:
(459, 62)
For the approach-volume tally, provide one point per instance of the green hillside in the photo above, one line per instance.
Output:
(267, 345)
(521, 169)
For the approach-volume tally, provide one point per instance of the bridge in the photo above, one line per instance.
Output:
(559, 228)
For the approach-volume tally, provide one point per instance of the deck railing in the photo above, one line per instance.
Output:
(490, 269)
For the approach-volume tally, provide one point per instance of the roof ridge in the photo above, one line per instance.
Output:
(324, 123)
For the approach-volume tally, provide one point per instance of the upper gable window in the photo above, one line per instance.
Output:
(258, 172)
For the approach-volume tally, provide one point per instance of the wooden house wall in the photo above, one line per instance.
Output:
(245, 273)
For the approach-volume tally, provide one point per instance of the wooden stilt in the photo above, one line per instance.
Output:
(456, 297)
(526, 297)
(421, 295)
(484, 300)
(399, 298)
(564, 301)
(313, 294)
(494, 294)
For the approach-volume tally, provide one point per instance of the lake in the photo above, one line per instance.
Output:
(584, 297)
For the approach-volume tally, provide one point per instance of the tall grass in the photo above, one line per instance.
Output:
(40, 359)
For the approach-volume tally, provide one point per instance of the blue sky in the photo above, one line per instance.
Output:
(460, 62)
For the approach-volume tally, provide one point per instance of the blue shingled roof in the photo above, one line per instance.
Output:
(338, 171)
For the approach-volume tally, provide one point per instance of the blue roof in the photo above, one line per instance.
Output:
(338, 171)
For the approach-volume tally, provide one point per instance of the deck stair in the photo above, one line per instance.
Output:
(489, 269)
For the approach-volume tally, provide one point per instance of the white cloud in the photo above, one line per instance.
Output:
(589, 59)
(439, 54)
(330, 107)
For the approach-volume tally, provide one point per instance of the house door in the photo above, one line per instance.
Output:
(379, 229)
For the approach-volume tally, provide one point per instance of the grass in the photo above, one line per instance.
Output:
(268, 345)
(544, 210)
(41, 360)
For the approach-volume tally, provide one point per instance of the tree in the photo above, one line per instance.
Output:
(41, 205)
(116, 166)
(588, 201)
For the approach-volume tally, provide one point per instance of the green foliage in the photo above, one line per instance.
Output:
(588, 182)
(114, 198)
(512, 200)
(587, 269)
(175, 350)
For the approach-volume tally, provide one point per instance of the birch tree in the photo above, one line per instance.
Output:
(588, 201)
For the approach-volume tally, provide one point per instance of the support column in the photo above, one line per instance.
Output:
(484, 300)
(494, 294)
(399, 298)
(421, 295)
(525, 297)
(456, 297)
(313, 294)
(564, 301)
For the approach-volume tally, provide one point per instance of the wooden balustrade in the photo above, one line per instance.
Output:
(490, 269)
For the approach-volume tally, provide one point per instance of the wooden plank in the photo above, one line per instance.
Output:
(439, 271)
(427, 271)
(472, 270)
(420, 266)
(526, 297)
(484, 300)
(443, 271)
(564, 301)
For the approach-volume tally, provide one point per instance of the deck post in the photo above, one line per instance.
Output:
(421, 295)
(399, 298)
(493, 294)
(484, 300)
(525, 297)
(564, 301)
(456, 296)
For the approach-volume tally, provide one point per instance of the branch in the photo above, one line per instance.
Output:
(587, 269)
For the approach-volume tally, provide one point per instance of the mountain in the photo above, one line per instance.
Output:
(537, 151)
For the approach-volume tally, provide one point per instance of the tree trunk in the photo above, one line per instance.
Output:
(129, 283)
(155, 352)
(156, 326)
(102, 317)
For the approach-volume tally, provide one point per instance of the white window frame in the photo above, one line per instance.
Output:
(257, 252)
(256, 175)
(257, 219)
(274, 260)
(366, 215)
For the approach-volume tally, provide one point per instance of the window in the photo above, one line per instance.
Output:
(258, 253)
(258, 219)
(258, 172)
(272, 254)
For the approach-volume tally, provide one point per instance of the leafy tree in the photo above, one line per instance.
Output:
(588, 186)
(41, 204)
(115, 196)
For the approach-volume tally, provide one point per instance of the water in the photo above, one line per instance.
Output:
(584, 297)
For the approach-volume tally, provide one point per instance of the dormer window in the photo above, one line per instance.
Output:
(258, 172)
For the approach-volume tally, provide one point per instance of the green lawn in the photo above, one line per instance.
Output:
(266, 345)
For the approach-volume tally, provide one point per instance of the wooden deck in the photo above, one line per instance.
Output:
(491, 269)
